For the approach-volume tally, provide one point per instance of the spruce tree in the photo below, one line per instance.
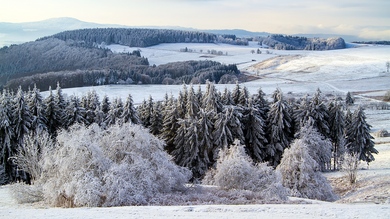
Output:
(37, 109)
(192, 104)
(129, 113)
(74, 112)
(6, 131)
(170, 124)
(21, 117)
(254, 131)
(359, 138)
(244, 97)
(156, 119)
(337, 136)
(279, 126)
(349, 99)
(211, 99)
(236, 93)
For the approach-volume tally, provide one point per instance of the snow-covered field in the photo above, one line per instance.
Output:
(361, 70)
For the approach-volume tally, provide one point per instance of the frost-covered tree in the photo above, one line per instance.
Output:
(170, 124)
(320, 147)
(192, 104)
(21, 116)
(37, 109)
(74, 112)
(129, 114)
(300, 174)
(359, 140)
(279, 126)
(226, 98)
(116, 110)
(206, 140)
(236, 93)
(261, 104)
(156, 119)
(236, 171)
(349, 100)
(91, 106)
(244, 97)
(180, 141)
(337, 136)
(254, 131)
(145, 112)
(211, 99)
(123, 165)
(227, 127)
(61, 103)
(105, 104)
(6, 132)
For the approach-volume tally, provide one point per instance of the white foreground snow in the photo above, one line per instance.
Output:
(336, 72)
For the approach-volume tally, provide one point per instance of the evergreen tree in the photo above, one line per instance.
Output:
(113, 115)
(170, 124)
(236, 93)
(105, 104)
(279, 126)
(91, 107)
(261, 104)
(156, 119)
(37, 109)
(146, 111)
(192, 104)
(21, 116)
(211, 99)
(180, 140)
(74, 112)
(359, 138)
(244, 97)
(254, 131)
(205, 134)
(52, 114)
(337, 136)
(129, 112)
(6, 131)
(61, 103)
(227, 97)
(349, 99)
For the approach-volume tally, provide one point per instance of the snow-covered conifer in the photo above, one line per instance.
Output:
(6, 131)
(37, 109)
(236, 93)
(156, 119)
(349, 99)
(130, 114)
(226, 98)
(192, 104)
(21, 117)
(211, 99)
(359, 140)
(337, 136)
(254, 131)
(170, 124)
(244, 97)
(74, 112)
(279, 126)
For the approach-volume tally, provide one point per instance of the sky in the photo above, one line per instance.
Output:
(363, 18)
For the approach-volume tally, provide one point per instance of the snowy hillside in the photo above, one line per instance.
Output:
(360, 70)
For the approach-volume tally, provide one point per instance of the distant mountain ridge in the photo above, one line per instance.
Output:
(17, 33)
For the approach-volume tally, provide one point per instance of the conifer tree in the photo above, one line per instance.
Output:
(91, 106)
(254, 131)
(6, 131)
(61, 103)
(192, 104)
(244, 97)
(211, 99)
(37, 109)
(21, 116)
(359, 138)
(236, 93)
(156, 119)
(260, 103)
(349, 99)
(74, 112)
(337, 136)
(226, 98)
(146, 111)
(170, 124)
(279, 126)
(129, 113)
(206, 139)
(52, 114)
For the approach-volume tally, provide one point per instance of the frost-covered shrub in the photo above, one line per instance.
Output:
(30, 153)
(123, 165)
(350, 166)
(236, 171)
(300, 173)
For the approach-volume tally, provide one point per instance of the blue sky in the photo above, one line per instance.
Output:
(368, 19)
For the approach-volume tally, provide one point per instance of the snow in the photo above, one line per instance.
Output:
(358, 69)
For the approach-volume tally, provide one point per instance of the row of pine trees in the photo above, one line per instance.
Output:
(196, 124)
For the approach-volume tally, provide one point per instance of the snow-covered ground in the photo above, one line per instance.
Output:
(361, 70)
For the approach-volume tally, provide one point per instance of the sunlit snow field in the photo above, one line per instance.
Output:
(361, 70)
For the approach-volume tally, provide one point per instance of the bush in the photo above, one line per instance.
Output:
(236, 171)
(123, 165)
(300, 173)
(350, 166)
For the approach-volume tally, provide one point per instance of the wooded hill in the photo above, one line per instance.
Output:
(75, 59)
(284, 42)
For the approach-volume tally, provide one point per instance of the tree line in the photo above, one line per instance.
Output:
(285, 42)
(196, 124)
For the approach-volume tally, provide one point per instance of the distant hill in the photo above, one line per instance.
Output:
(17, 33)
(284, 42)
